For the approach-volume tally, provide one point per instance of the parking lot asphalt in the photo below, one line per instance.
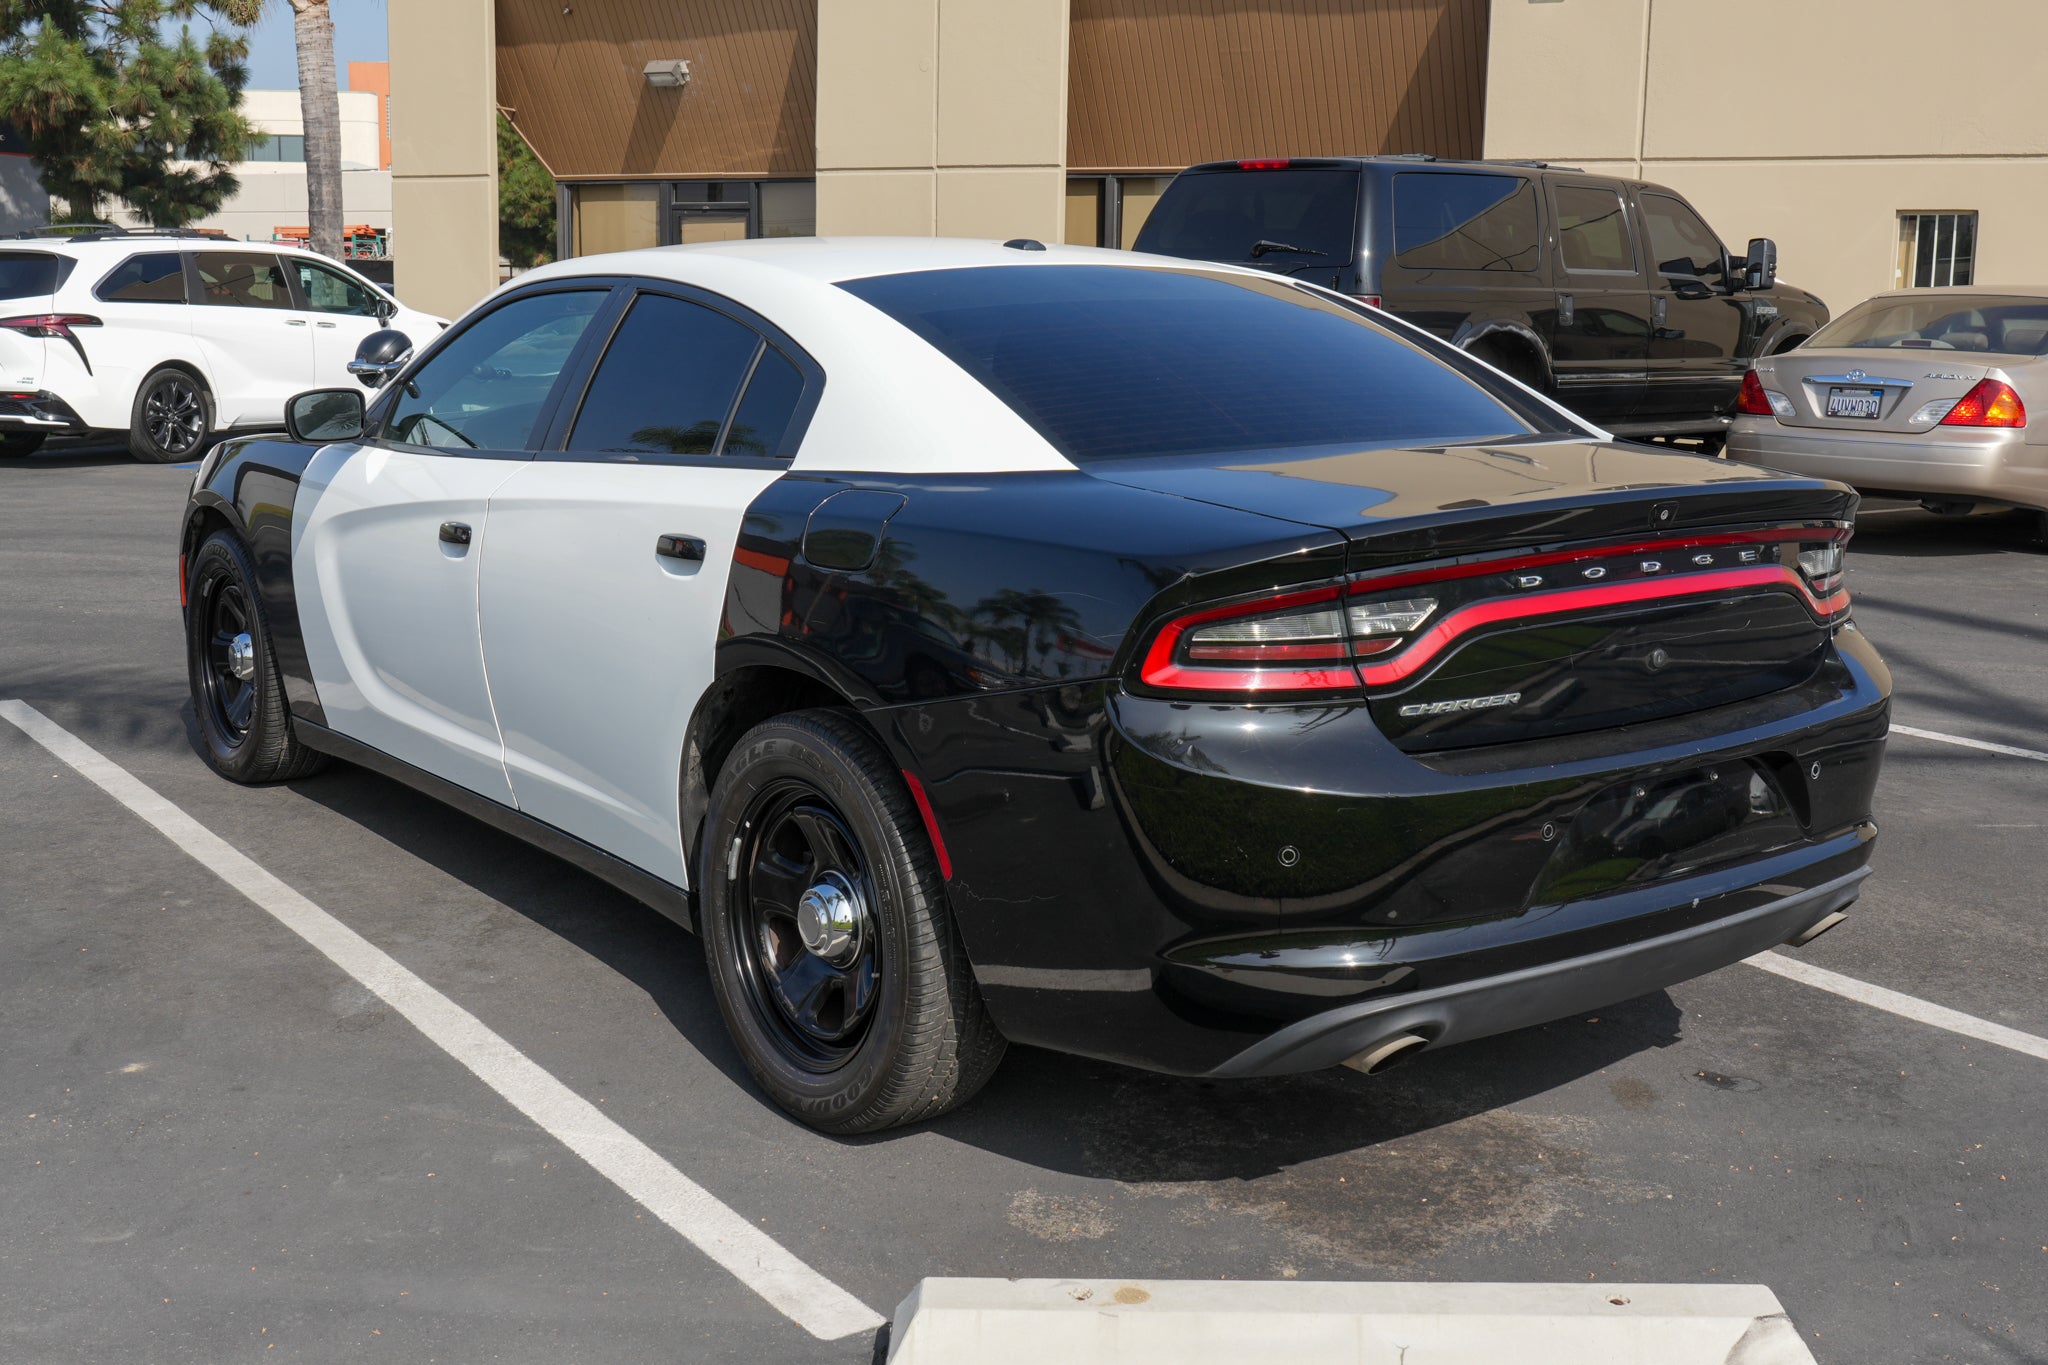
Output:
(218, 1146)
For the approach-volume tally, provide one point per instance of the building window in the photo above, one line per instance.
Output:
(1108, 210)
(620, 217)
(1937, 249)
(613, 217)
(280, 147)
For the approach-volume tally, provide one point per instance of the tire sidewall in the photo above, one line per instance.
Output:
(222, 557)
(142, 445)
(838, 1098)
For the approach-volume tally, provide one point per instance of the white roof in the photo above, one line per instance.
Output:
(829, 260)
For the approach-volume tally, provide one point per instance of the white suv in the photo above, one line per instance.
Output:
(172, 338)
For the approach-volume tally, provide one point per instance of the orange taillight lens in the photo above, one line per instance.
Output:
(1991, 404)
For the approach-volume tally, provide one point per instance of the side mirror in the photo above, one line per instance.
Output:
(1760, 269)
(319, 416)
(382, 355)
(386, 310)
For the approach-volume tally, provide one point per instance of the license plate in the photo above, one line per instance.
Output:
(1854, 402)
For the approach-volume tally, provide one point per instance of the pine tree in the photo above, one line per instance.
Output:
(107, 100)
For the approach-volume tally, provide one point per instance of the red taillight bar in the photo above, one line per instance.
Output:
(1465, 620)
(49, 324)
(1342, 667)
(1511, 563)
(1270, 163)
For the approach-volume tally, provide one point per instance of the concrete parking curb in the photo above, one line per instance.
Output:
(1207, 1322)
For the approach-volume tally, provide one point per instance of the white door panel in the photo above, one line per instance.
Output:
(389, 609)
(598, 649)
(256, 344)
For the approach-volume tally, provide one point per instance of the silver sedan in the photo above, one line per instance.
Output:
(1919, 393)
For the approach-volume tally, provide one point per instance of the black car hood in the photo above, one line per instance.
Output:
(1452, 498)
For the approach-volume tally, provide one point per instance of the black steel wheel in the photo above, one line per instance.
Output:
(172, 420)
(244, 728)
(804, 943)
(832, 953)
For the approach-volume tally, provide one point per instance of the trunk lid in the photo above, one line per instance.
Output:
(1894, 385)
(1571, 585)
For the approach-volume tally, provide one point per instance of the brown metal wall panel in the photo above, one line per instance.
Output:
(1160, 84)
(571, 74)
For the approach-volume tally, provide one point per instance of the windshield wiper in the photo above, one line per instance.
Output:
(1263, 246)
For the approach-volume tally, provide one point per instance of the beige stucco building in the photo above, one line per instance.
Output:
(1870, 162)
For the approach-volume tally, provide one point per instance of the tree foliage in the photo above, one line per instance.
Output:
(526, 201)
(108, 98)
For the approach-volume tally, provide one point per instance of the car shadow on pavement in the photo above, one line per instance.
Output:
(1060, 1113)
(1905, 531)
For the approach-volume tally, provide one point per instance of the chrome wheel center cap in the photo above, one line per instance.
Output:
(242, 656)
(830, 920)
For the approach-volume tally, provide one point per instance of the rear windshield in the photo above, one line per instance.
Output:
(1940, 322)
(1280, 219)
(1115, 361)
(28, 274)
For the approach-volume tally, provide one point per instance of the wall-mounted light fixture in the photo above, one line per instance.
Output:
(670, 75)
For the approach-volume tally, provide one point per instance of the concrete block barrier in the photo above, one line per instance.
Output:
(1239, 1322)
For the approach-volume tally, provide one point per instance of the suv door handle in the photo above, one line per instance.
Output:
(454, 533)
(1566, 310)
(295, 322)
(680, 547)
(326, 324)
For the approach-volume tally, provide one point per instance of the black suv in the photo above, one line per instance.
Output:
(1538, 269)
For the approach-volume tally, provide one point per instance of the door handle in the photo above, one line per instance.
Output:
(1660, 309)
(295, 322)
(680, 547)
(454, 533)
(325, 324)
(1566, 310)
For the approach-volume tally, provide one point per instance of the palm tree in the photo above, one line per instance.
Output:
(319, 111)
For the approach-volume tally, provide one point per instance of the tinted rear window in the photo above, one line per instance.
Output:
(1941, 322)
(1454, 221)
(25, 274)
(1225, 215)
(1109, 361)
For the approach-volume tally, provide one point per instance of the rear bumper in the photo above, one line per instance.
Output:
(1535, 995)
(41, 412)
(1242, 890)
(1989, 465)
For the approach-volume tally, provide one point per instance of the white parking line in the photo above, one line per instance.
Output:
(761, 1263)
(1905, 1006)
(1986, 745)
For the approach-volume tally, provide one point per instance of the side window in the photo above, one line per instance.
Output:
(667, 381)
(1464, 222)
(1682, 246)
(155, 277)
(484, 390)
(1592, 229)
(330, 291)
(242, 279)
(761, 426)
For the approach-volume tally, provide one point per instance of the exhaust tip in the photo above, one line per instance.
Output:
(1815, 929)
(1387, 1052)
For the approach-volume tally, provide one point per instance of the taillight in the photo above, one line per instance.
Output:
(1752, 403)
(1991, 404)
(1294, 642)
(1264, 164)
(49, 324)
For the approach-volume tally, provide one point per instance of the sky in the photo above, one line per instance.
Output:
(359, 36)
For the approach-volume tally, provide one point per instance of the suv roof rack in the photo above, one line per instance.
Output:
(106, 232)
(1482, 161)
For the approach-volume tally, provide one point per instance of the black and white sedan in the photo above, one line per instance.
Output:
(1164, 662)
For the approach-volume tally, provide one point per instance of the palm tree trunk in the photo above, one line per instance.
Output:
(320, 109)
